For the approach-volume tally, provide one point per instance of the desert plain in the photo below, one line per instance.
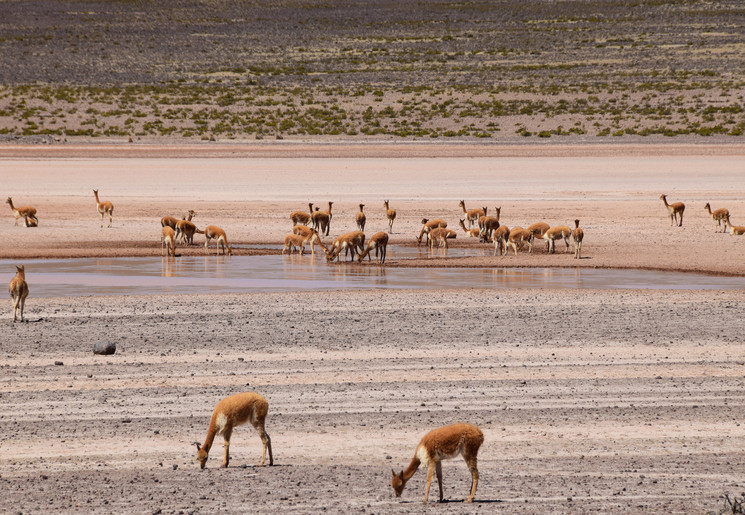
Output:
(603, 400)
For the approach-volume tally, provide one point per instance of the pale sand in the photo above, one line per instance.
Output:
(591, 401)
(613, 190)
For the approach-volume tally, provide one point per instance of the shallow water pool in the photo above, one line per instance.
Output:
(220, 274)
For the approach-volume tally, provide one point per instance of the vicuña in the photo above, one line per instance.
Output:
(18, 289)
(442, 444)
(231, 412)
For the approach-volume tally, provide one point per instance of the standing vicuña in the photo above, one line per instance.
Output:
(488, 224)
(18, 292)
(518, 236)
(427, 226)
(310, 235)
(361, 218)
(231, 412)
(557, 233)
(472, 215)
(322, 220)
(442, 444)
(185, 228)
(300, 217)
(348, 242)
(674, 210)
(539, 232)
(171, 221)
(104, 208)
(390, 214)
(213, 231)
(500, 238)
(719, 216)
(25, 211)
(440, 236)
(379, 242)
(168, 240)
(577, 235)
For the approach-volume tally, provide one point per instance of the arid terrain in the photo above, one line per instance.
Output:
(590, 400)
(471, 70)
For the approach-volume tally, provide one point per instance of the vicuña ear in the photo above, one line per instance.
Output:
(199, 447)
(393, 472)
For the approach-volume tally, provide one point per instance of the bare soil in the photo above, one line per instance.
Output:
(590, 401)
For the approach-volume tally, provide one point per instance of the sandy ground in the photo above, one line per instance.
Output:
(613, 190)
(591, 401)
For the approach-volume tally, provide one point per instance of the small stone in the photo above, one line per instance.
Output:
(175, 467)
(104, 348)
(58, 363)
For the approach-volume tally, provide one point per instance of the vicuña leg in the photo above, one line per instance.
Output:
(430, 473)
(226, 458)
(471, 462)
(438, 470)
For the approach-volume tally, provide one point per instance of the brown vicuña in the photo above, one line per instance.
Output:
(557, 233)
(379, 242)
(471, 233)
(18, 289)
(169, 221)
(440, 235)
(349, 242)
(390, 215)
(674, 210)
(719, 216)
(539, 232)
(301, 217)
(216, 233)
(518, 236)
(577, 235)
(308, 233)
(488, 224)
(736, 230)
(500, 237)
(231, 412)
(168, 240)
(25, 211)
(185, 229)
(104, 208)
(427, 226)
(322, 220)
(361, 219)
(472, 215)
(480, 220)
(441, 444)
